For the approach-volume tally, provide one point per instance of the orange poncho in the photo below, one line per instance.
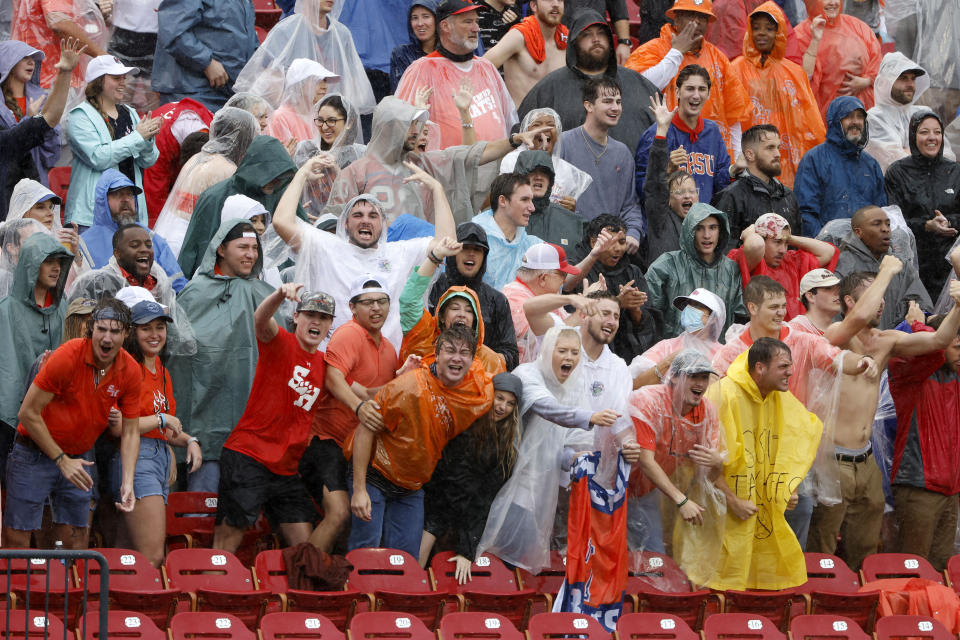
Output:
(847, 46)
(781, 95)
(728, 103)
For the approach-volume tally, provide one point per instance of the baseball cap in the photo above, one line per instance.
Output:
(548, 256)
(690, 362)
(49, 196)
(81, 307)
(317, 301)
(106, 65)
(303, 68)
(357, 288)
(697, 6)
(817, 278)
(136, 190)
(700, 296)
(148, 311)
(130, 296)
(448, 8)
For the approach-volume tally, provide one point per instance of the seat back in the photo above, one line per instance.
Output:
(548, 580)
(740, 626)
(825, 627)
(203, 625)
(654, 626)
(953, 572)
(477, 625)
(889, 627)
(120, 624)
(21, 624)
(878, 566)
(656, 570)
(189, 512)
(298, 624)
(827, 572)
(388, 625)
(859, 607)
(59, 179)
(36, 575)
(193, 569)
(487, 573)
(386, 570)
(549, 626)
(129, 570)
(775, 605)
(271, 571)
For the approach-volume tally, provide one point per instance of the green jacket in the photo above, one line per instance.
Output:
(212, 387)
(26, 330)
(266, 159)
(549, 221)
(677, 273)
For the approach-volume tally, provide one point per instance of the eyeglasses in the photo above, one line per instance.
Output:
(328, 122)
(380, 302)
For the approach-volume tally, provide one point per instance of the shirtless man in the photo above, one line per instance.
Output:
(531, 49)
(861, 487)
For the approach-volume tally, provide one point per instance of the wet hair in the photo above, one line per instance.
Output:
(755, 134)
(676, 178)
(336, 102)
(851, 283)
(505, 185)
(457, 334)
(601, 222)
(11, 102)
(109, 305)
(693, 70)
(603, 294)
(92, 93)
(803, 298)
(760, 288)
(192, 145)
(75, 326)
(595, 87)
(764, 350)
(118, 234)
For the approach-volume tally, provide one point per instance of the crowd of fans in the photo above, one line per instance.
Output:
(395, 272)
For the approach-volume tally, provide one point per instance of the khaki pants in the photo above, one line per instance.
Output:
(858, 518)
(927, 522)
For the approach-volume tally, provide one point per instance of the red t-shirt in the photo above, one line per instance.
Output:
(156, 396)
(287, 386)
(79, 411)
(793, 267)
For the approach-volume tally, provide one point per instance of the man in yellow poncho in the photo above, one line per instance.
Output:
(772, 440)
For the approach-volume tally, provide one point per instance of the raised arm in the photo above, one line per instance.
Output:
(865, 310)
(443, 223)
(824, 251)
(263, 323)
(499, 148)
(538, 308)
(917, 344)
(70, 50)
(285, 215)
(754, 247)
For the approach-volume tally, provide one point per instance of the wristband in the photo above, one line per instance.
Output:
(193, 439)
(517, 143)
(683, 502)
(57, 459)
(466, 125)
(432, 257)
(357, 410)
(163, 422)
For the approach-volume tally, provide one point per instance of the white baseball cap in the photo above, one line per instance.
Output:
(107, 65)
(548, 257)
(357, 289)
(303, 68)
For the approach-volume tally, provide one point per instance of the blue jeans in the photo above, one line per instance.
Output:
(206, 478)
(396, 521)
(32, 478)
(644, 526)
(799, 519)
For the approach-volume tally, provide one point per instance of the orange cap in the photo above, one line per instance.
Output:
(698, 6)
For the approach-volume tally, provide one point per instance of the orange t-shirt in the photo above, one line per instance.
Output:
(355, 354)
(156, 396)
(78, 413)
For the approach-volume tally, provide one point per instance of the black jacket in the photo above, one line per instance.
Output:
(549, 221)
(499, 333)
(748, 198)
(17, 163)
(920, 186)
(663, 224)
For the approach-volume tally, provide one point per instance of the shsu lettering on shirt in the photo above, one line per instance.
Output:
(308, 392)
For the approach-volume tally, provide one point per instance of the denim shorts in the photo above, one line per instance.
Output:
(32, 477)
(152, 475)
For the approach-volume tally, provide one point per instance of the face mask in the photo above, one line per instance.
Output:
(691, 319)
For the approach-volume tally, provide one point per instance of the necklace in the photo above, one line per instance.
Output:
(596, 156)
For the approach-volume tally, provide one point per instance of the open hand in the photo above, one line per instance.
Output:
(70, 50)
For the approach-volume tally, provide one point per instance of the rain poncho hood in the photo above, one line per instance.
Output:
(96, 243)
(345, 148)
(232, 130)
(265, 160)
(26, 329)
(761, 552)
(404, 55)
(14, 233)
(294, 116)
(212, 387)
(938, 40)
(26, 194)
(301, 36)
(839, 109)
(581, 20)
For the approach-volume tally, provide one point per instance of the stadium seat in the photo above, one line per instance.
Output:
(476, 625)
(692, 607)
(825, 628)
(38, 579)
(32, 623)
(775, 605)
(338, 606)
(266, 13)
(860, 607)
(653, 626)
(740, 626)
(953, 573)
(659, 571)
(300, 624)
(190, 519)
(120, 624)
(134, 584)
(216, 581)
(902, 627)
(492, 588)
(547, 581)
(878, 566)
(828, 573)
(208, 625)
(59, 179)
(398, 583)
(388, 625)
(547, 626)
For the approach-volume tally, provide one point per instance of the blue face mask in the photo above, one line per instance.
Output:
(691, 319)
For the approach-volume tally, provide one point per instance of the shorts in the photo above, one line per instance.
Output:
(152, 475)
(32, 477)
(323, 465)
(247, 487)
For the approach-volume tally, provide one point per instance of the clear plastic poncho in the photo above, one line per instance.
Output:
(938, 41)
(231, 132)
(293, 118)
(902, 241)
(569, 180)
(253, 104)
(13, 233)
(301, 36)
(27, 193)
(656, 412)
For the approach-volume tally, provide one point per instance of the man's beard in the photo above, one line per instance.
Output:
(125, 217)
(770, 169)
(590, 62)
(900, 97)
(859, 140)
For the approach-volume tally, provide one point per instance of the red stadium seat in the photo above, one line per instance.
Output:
(825, 628)
(547, 581)
(860, 607)
(266, 13)
(308, 626)
(548, 626)
(190, 519)
(775, 605)
(397, 583)
(740, 626)
(659, 571)
(653, 626)
(120, 624)
(337, 606)
(217, 581)
(828, 573)
(691, 607)
(21, 624)
(134, 584)
(208, 625)
(50, 586)
(59, 179)
(878, 566)
(388, 625)
(889, 627)
(476, 625)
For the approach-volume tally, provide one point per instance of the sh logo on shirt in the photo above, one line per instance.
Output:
(308, 392)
